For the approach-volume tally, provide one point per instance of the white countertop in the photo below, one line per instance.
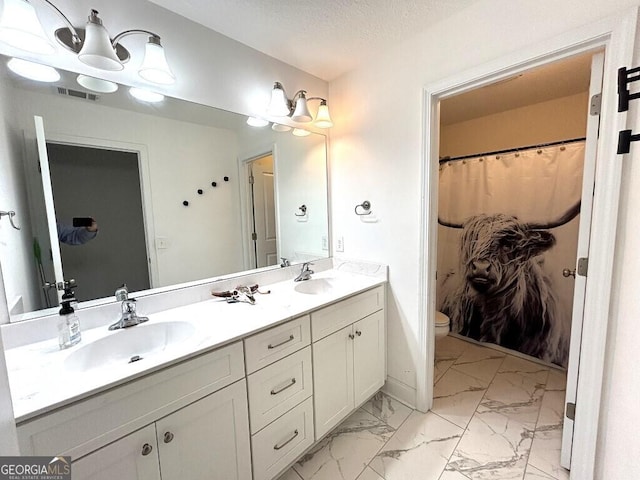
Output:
(42, 377)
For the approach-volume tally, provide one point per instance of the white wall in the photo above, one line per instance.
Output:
(16, 250)
(376, 154)
(551, 121)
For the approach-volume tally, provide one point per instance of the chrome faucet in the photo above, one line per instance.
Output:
(305, 273)
(128, 317)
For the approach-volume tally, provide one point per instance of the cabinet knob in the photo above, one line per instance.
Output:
(358, 332)
(168, 436)
(146, 449)
(352, 336)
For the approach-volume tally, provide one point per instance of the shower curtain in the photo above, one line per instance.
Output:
(502, 247)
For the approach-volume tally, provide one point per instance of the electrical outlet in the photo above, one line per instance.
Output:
(340, 244)
(325, 242)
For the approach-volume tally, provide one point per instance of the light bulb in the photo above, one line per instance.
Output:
(146, 95)
(33, 71)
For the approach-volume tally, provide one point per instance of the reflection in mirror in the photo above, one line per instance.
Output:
(180, 192)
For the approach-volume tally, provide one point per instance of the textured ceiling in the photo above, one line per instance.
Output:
(325, 38)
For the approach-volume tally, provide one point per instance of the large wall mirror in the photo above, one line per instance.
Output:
(180, 193)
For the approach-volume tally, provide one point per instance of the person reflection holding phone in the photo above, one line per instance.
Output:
(82, 231)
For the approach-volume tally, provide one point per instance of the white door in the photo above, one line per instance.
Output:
(368, 356)
(264, 211)
(207, 440)
(48, 201)
(332, 379)
(134, 457)
(597, 68)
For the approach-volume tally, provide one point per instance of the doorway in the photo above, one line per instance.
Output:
(511, 187)
(616, 36)
(262, 211)
(103, 184)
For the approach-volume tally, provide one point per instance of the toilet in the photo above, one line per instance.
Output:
(442, 325)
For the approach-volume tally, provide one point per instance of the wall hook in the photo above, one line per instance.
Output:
(10, 214)
(303, 209)
(366, 207)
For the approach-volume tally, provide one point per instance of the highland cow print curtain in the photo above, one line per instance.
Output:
(508, 228)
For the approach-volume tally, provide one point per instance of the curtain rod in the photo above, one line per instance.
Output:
(518, 149)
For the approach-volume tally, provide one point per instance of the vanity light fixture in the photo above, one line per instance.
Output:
(96, 84)
(20, 28)
(33, 71)
(301, 132)
(146, 95)
(257, 122)
(281, 106)
(278, 127)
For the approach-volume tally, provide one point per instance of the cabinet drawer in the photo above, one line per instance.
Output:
(89, 424)
(281, 442)
(279, 387)
(278, 342)
(331, 319)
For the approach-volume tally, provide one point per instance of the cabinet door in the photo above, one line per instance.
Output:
(332, 379)
(134, 457)
(208, 439)
(368, 356)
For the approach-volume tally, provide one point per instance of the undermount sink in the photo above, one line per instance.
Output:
(129, 345)
(315, 286)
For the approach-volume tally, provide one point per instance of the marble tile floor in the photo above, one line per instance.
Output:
(495, 416)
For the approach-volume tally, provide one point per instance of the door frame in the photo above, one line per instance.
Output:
(244, 161)
(145, 186)
(616, 35)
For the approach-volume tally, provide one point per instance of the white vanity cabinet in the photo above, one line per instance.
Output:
(208, 439)
(348, 356)
(244, 411)
(280, 386)
(189, 420)
(134, 457)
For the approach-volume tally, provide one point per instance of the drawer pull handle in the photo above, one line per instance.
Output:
(278, 447)
(291, 337)
(282, 389)
(146, 449)
(358, 332)
(352, 336)
(168, 436)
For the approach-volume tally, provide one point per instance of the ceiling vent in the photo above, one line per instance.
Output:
(77, 94)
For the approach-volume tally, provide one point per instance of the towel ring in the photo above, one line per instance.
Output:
(303, 209)
(10, 214)
(366, 207)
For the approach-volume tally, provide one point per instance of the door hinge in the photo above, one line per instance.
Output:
(596, 104)
(251, 180)
(254, 236)
(570, 411)
(583, 266)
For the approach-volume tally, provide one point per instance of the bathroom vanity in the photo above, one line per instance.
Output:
(255, 389)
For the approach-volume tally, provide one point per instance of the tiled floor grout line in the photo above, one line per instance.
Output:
(474, 413)
(385, 443)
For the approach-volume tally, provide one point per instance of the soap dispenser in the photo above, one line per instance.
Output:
(68, 323)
